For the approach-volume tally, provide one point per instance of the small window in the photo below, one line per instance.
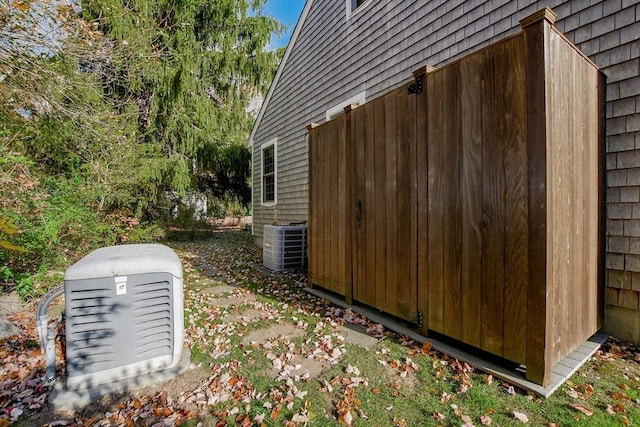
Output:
(353, 5)
(269, 172)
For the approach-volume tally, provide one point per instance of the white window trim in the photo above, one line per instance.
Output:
(273, 142)
(358, 99)
(351, 12)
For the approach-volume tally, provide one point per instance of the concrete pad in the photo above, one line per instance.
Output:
(62, 399)
(355, 335)
(262, 336)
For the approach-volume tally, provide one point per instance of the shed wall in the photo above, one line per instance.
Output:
(375, 49)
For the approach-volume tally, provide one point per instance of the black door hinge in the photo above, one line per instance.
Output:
(416, 317)
(416, 86)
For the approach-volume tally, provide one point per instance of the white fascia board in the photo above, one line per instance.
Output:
(358, 99)
(283, 63)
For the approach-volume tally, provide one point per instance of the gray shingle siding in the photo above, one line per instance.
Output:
(335, 58)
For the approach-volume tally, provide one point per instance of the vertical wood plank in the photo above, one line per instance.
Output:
(590, 238)
(471, 193)
(593, 169)
(516, 199)
(320, 240)
(331, 229)
(579, 103)
(369, 211)
(313, 192)
(422, 191)
(452, 212)
(601, 177)
(391, 214)
(536, 58)
(436, 189)
(358, 180)
(404, 202)
(493, 211)
(351, 234)
(326, 205)
(590, 223)
(408, 299)
(343, 214)
(379, 172)
(561, 204)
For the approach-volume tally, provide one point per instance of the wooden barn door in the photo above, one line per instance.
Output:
(363, 223)
(329, 207)
(382, 137)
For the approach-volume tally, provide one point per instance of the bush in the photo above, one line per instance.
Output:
(51, 222)
(228, 206)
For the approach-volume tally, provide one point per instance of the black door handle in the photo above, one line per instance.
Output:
(359, 213)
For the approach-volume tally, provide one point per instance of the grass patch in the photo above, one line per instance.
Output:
(432, 391)
(393, 383)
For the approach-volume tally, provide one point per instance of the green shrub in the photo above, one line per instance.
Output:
(57, 220)
(227, 206)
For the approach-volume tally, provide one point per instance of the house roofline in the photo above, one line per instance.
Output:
(283, 63)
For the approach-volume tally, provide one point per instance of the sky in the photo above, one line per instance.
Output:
(287, 12)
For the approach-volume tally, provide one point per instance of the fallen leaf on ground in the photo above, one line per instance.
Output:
(399, 422)
(522, 417)
(582, 408)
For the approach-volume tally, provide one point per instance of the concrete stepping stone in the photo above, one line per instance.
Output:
(262, 336)
(250, 315)
(305, 366)
(235, 299)
(354, 335)
(218, 290)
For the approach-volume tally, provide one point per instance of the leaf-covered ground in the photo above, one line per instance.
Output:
(264, 352)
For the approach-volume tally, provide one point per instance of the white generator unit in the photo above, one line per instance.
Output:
(124, 315)
(284, 247)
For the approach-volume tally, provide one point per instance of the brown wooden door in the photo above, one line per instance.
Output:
(329, 208)
(382, 134)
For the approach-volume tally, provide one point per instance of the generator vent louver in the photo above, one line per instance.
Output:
(284, 247)
(152, 319)
(90, 345)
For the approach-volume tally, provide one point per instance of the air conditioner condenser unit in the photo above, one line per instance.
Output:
(284, 247)
(124, 321)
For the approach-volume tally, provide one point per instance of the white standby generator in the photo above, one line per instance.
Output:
(124, 315)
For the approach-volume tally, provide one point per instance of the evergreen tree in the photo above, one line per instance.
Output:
(190, 67)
